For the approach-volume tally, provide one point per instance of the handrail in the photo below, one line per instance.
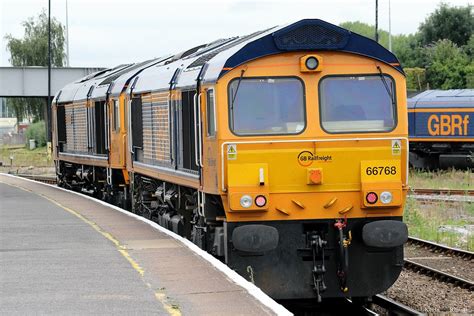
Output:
(195, 131)
(199, 131)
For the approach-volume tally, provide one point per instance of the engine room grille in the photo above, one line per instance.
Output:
(311, 34)
(156, 135)
(76, 128)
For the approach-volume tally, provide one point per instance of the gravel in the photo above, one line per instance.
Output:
(430, 296)
(457, 266)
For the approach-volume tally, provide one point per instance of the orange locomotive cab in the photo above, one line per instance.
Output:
(322, 139)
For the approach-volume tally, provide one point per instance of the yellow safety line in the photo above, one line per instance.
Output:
(173, 310)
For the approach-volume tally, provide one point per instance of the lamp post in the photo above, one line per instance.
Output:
(389, 26)
(48, 104)
(376, 20)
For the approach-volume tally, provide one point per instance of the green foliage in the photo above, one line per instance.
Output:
(445, 65)
(440, 55)
(453, 23)
(24, 107)
(32, 50)
(37, 131)
(416, 79)
(405, 47)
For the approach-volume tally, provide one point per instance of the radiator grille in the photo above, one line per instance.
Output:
(156, 131)
(315, 35)
(76, 128)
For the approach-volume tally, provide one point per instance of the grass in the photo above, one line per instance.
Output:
(23, 157)
(444, 222)
(441, 222)
(442, 179)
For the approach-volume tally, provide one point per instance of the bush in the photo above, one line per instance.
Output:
(37, 131)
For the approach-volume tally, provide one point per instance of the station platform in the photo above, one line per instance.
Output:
(65, 253)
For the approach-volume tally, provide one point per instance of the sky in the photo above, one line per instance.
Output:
(105, 33)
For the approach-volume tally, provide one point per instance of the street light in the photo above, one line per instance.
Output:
(376, 20)
(48, 105)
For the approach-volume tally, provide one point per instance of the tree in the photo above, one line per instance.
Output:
(405, 47)
(416, 79)
(446, 65)
(453, 23)
(32, 50)
(469, 51)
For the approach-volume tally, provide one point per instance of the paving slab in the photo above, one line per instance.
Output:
(61, 253)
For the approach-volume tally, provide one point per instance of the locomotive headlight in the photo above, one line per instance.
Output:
(386, 197)
(260, 201)
(246, 201)
(371, 198)
(312, 63)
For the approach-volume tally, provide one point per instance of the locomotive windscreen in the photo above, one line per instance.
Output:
(264, 106)
(357, 104)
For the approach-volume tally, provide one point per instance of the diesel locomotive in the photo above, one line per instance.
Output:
(283, 152)
(441, 129)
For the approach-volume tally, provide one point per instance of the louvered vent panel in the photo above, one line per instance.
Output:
(311, 35)
(161, 132)
(80, 128)
(69, 128)
(147, 131)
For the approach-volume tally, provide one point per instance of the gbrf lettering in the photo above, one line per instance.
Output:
(454, 124)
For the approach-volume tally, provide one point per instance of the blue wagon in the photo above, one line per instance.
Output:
(441, 129)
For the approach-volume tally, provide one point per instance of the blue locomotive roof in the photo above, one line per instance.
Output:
(312, 34)
(458, 98)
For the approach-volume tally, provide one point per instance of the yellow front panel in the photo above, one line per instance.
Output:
(314, 174)
(339, 161)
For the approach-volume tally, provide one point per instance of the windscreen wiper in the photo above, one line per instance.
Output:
(236, 89)
(384, 81)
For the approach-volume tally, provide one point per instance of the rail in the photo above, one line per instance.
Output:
(393, 307)
(440, 275)
(39, 178)
(442, 248)
(442, 192)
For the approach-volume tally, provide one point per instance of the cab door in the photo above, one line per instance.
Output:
(117, 132)
(209, 144)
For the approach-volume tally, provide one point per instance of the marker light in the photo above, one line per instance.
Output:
(260, 201)
(371, 198)
(246, 201)
(311, 63)
(386, 197)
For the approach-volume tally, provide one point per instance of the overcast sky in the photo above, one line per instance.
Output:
(111, 32)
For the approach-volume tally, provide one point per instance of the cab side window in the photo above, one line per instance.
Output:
(116, 118)
(210, 111)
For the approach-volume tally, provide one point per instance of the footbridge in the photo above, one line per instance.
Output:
(33, 81)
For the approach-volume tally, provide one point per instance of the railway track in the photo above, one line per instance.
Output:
(442, 195)
(378, 305)
(443, 276)
(39, 178)
(442, 192)
(392, 307)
